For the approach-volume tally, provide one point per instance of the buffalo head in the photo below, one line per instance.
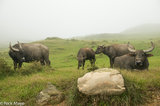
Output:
(80, 60)
(140, 55)
(16, 52)
(99, 49)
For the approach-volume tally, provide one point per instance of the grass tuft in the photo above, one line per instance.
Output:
(33, 68)
(5, 69)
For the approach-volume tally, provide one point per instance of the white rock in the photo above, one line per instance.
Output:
(103, 81)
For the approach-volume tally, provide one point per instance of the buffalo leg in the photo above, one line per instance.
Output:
(78, 67)
(83, 64)
(111, 62)
(15, 65)
(20, 65)
(46, 58)
(48, 62)
(94, 60)
(91, 62)
(42, 62)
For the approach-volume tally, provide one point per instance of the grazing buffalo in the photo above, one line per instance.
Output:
(25, 52)
(113, 51)
(136, 59)
(85, 54)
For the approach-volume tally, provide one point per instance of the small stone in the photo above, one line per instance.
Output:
(49, 96)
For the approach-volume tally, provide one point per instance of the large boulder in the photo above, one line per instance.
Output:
(103, 81)
(49, 96)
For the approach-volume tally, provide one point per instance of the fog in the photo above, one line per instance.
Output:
(29, 20)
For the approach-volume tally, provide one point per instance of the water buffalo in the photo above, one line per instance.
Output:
(85, 54)
(136, 59)
(26, 52)
(113, 51)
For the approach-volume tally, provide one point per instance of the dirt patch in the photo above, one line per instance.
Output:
(61, 104)
(155, 99)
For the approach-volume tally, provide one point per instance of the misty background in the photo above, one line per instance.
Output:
(30, 20)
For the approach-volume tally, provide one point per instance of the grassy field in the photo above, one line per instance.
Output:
(23, 85)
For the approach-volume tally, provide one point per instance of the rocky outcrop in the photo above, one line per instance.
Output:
(49, 96)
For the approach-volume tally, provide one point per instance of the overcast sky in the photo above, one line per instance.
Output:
(38, 19)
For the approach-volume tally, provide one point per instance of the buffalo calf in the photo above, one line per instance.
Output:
(85, 54)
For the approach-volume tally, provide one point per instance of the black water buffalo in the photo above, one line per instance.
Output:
(85, 54)
(113, 51)
(26, 52)
(136, 59)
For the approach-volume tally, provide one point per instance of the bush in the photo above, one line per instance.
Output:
(5, 69)
(52, 38)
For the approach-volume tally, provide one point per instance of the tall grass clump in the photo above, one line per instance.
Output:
(32, 68)
(5, 69)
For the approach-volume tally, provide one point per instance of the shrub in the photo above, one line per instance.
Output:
(5, 69)
(52, 38)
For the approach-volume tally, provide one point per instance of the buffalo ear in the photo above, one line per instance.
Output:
(149, 55)
(132, 54)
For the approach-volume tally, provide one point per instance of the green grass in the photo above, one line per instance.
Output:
(25, 84)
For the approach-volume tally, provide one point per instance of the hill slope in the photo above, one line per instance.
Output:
(148, 31)
(146, 28)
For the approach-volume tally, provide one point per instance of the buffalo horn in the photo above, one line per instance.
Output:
(150, 49)
(19, 45)
(12, 48)
(102, 46)
(130, 49)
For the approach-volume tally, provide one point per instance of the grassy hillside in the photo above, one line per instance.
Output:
(24, 84)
